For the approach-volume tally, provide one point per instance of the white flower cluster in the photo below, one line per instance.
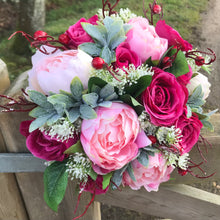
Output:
(126, 76)
(171, 135)
(78, 166)
(175, 160)
(124, 14)
(62, 129)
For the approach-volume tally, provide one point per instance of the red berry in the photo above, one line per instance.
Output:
(152, 138)
(64, 38)
(157, 9)
(199, 61)
(182, 172)
(39, 35)
(98, 63)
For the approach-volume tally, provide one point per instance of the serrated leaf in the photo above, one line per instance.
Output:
(87, 112)
(39, 99)
(74, 148)
(136, 89)
(143, 158)
(73, 114)
(106, 55)
(131, 172)
(179, 66)
(90, 99)
(55, 183)
(106, 180)
(106, 91)
(92, 49)
(76, 88)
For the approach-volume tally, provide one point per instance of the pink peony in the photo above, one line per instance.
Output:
(190, 128)
(43, 146)
(184, 79)
(144, 41)
(94, 186)
(112, 139)
(150, 177)
(125, 56)
(173, 37)
(164, 99)
(51, 73)
(77, 34)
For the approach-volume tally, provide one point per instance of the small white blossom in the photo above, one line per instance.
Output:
(183, 161)
(78, 166)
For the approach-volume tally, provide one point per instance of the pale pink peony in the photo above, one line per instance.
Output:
(112, 139)
(144, 41)
(150, 177)
(54, 72)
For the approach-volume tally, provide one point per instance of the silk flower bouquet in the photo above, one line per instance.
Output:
(115, 101)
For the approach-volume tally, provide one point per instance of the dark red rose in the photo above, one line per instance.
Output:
(184, 79)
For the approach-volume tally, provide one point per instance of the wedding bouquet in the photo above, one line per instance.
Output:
(116, 101)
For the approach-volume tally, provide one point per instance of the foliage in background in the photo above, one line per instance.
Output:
(183, 15)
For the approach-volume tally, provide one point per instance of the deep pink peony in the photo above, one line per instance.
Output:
(112, 139)
(184, 79)
(150, 177)
(144, 41)
(77, 34)
(190, 128)
(125, 56)
(43, 146)
(94, 186)
(173, 37)
(52, 73)
(164, 99)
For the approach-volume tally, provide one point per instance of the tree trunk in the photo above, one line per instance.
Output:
(31, 18)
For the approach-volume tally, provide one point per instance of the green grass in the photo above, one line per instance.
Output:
(183, 15)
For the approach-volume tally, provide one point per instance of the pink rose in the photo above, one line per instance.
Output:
(52, 73)
(173, 37)
(190, 128)
(43, 146)
(125, 56)
(144, 41)
(94, 186)
(151, 176)
(184, 79)
(112, 139)
(77, 34)
(164, 99)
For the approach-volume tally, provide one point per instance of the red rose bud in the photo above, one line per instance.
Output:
(39, 35)
(98, 63)
(152, 138)
(182, 172)
(157, 9)
(64, 39)
(199, 60)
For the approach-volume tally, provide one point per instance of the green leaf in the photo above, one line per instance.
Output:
(189, 111)
(87, 112)
(207, 124)
(74, 148)
(92, 49)
(143, 158)
(179, 66)
(106, 55)
(106, 91)
(131, 172)
(61, 100)
(55, 183)
(137, 88)
(53, 119)
(106, 180)
(115, 42)
(73, 114)
(116, 179)
(90, 99)
(76, 88)
(39, 99)
(95, 81)
(106, 104)
(93, 174)
(38, 112)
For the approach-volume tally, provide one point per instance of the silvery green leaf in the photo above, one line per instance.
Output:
(73, 114)
(37, 112)
(38, 122)
(108, 22)
(95, 89)
(61, 99)
(106, 91)
(116, 179)
(106, 104)
(211, 113)
(87, 112)
(114, 29)
(126, 28)
(131, 172)
(39, 99)
(116, 41)
(92, 49)
(76, 88)
(60, 109)
(90, 99)
(143, 158)
(207, 124)
(113, 96)
(189, 111)
(53, 119)
(106, 55)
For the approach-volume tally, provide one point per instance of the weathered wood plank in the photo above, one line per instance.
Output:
(179, 202)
